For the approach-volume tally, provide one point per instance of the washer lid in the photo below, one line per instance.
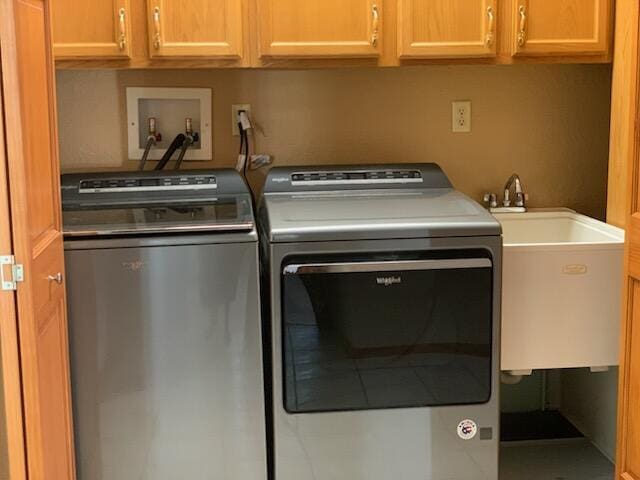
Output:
(225, 214)
(375, 214)
(138, 203)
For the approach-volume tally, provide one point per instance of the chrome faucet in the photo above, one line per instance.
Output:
(519, 197)
(519, 194)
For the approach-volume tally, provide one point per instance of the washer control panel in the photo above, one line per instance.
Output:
(147, 184)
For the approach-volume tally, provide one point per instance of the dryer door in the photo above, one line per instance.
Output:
(387, 331)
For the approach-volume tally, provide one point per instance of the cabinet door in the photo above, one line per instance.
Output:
(28, 85)
(197, 28)
(561, 27)
(95, 29)
(446, 28)
(328, 28)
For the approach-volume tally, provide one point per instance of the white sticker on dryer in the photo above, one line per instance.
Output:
(467, 429)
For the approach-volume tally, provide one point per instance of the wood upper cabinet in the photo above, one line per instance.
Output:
(561, 27)
(297, 33)
(195, 28)
(447, 28)
(94, 29)
(327, 28)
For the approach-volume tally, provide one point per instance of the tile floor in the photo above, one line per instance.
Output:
(574, 459)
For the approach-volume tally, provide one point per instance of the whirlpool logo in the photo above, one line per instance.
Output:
(134, 266)
(388, 281)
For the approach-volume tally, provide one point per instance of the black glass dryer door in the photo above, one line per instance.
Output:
(386, 333)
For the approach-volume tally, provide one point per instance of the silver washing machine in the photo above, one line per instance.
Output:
(384, 322)
(164, 322)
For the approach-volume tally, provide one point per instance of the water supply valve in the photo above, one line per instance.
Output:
(153, 133)
(188, 130)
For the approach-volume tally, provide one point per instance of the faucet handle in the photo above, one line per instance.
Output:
(153, 130)
(152, 126)
(491, 200)
(521, 198)
(506, 201)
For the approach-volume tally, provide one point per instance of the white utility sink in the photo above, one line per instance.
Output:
(561, 291)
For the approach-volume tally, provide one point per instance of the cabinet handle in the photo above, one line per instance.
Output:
(376, 22)
(156, 25)
(491, 28)
(122, 14)
(522, 34)
(55, 278)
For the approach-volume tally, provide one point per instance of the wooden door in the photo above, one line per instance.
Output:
(327, 28)
(195, 28)
(91, 29)
(447, 28)
(11, 389)
(561, 27)
(31, 139)
(628, 445)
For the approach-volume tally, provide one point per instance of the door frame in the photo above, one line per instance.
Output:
(624, 111)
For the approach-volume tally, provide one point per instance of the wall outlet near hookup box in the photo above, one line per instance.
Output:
(234, 116)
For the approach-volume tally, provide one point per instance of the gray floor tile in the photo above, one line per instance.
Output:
(554, 460)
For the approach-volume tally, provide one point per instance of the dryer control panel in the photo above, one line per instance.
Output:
(359, 177)
(355, 177)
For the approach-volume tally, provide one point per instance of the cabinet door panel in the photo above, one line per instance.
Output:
(197, 28)
(331, 28)
(447, 28)
(561, 27)
(95, 29)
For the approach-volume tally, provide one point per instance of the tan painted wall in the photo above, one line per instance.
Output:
(549, 123)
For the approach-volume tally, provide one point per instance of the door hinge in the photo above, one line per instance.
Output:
(17, 272)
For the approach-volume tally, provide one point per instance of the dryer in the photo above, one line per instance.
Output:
(384, 314)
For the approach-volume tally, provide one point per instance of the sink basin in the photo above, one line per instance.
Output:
(561, 291)
(555, 228)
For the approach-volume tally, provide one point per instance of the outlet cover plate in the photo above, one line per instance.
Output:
(461, 116)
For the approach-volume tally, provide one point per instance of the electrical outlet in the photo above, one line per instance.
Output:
(234, 116)
(461, 116)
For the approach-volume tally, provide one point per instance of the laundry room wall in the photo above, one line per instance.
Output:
(549, 123)
(589, 401)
